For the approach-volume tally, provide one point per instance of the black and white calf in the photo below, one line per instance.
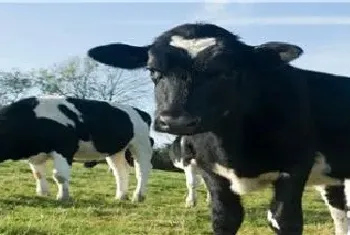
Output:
(253, 120)
(66, 128)
(182, 157)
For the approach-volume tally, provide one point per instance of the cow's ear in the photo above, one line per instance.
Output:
(287, 52)
(120, 55)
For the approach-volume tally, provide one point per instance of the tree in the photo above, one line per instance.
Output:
(74, 77)
(122, 86)
(86, 79)
(14, 85)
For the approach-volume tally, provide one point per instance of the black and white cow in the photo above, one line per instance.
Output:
(181, 155)
(252, 118)
(67, 128)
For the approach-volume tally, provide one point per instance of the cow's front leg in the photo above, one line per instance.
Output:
(227, 210)
(191, 183)
(285, 215)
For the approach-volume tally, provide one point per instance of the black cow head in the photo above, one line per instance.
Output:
(198, 71)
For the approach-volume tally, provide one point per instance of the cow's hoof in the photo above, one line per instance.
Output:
(138, 198)
(190, 203)
(63, 197)
(122, 197)
(43, 193)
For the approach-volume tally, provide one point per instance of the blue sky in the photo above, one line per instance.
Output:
(39, 35)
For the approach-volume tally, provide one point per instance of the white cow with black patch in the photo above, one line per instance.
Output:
(183, 158)
(67, 128)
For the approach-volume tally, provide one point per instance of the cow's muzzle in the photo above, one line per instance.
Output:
(177, 125)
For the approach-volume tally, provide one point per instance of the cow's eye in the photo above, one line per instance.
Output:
(156, 75)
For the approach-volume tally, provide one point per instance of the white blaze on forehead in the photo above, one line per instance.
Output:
(192, 46)
(48, 108)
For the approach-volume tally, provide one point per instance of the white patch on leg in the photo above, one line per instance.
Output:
(192, 46)
(142, 169)
(339, 216)
(143, 166)
(272, 221)
(347, 199)
(48, 108)
(42, 186)
(61, 175)
(191, 183)
(118, 165)
(208, 198)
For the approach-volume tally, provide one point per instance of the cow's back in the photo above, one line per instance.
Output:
(37, 125)
(103, 124)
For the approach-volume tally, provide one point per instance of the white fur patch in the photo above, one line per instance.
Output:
(48, 108)
(347, 199)
(141, 128)
(273, 221)
(61, 175)
(179, 163)
(39, 171)
(242, 185)
(121, 173)
(191, 183)
(339, 216)
(192, 46)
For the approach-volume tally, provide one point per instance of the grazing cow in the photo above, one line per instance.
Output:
(68, 128)
(252, 118)
(182, 157)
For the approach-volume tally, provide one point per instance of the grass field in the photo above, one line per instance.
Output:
(94, 210)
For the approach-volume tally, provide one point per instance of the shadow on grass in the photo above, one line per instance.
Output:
(44, 202)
